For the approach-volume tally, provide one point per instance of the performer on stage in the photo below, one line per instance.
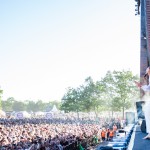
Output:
(146, 98)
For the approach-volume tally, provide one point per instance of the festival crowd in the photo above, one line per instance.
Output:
(54, 134)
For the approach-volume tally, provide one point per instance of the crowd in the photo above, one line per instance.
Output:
(50, 134)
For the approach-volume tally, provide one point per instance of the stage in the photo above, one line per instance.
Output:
(136, 141)
(139, 143)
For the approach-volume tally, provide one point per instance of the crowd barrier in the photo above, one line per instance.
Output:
(120, 142)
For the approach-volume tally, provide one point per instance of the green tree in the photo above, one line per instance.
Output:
(89, 95)
(84, 98)
(40, 106)
(114, 92)
(121, 89)
(8, 104)
(102, 95)
(30, 105)
(110, 93)
(70, 100)
(18, 106)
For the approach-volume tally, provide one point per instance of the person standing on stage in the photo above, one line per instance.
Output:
(146, 98)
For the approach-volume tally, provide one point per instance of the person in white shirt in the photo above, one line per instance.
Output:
(146, 98)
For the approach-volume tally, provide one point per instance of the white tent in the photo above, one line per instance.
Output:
(39, 113)
(2, 113)
(54, 109)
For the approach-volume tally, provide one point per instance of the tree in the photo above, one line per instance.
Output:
(8, 104)
(84, 98)
(71, 100)
(40, 106)
(110, 93)
(121, 89)
(90, 97)
(87, 93)
(30, 106)
(18, 106)
(114, 92)
(102, 97)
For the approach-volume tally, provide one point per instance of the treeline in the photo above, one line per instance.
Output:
(115, 92)
(13, 105)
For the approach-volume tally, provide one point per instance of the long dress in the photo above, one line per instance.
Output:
(146, 107)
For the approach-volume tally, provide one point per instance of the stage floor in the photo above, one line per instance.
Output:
(139, 143)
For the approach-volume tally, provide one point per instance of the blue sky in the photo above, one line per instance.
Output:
(47, 46)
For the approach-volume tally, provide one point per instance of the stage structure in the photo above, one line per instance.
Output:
(143, 9)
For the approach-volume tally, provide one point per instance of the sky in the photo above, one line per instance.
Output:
(47, 46)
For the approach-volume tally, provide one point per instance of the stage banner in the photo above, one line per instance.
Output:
(48, 115)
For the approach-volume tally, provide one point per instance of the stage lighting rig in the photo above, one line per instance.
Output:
(137, 10)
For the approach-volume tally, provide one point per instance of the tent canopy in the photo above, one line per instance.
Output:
(54, 109)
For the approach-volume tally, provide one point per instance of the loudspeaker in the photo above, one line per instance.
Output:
(139, 106)
(143, 126)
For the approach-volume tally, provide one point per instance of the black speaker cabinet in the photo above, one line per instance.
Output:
(143, 126)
